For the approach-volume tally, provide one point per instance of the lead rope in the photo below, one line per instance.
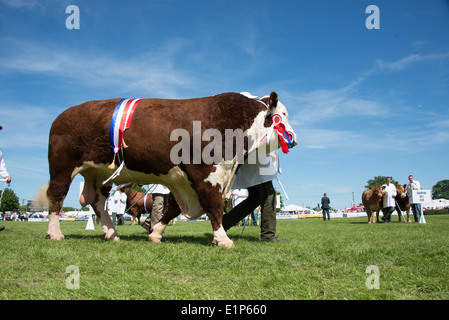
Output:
(4, 188)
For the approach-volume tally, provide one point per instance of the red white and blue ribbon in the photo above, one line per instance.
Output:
(285, 137)
(121, 120)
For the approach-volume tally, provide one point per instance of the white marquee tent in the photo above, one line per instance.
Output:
(294, 209)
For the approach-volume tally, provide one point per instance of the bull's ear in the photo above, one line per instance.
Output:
(405, 186)
(273, 102)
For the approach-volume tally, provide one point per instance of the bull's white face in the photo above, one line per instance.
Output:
(281, 111)
(281, 133)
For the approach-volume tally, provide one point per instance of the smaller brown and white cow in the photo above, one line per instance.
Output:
(372, 201)
(402, 202)
(138, 203)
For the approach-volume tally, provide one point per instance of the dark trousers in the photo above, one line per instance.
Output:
(387, 213)
(416, 208)
(261, 195)
(326, 211)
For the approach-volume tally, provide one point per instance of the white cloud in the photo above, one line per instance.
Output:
(325, 104)
(25, 127)
(20, 3)
(150, 72)
(409, 60)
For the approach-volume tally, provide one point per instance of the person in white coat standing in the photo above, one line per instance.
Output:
(4, 173)
(389, 192)
(416, 207)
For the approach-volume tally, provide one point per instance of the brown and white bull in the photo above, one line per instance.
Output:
(79, 143)
(372, 201)
(402, 202)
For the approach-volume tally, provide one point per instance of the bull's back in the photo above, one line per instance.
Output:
(88, 118)
(81, 132)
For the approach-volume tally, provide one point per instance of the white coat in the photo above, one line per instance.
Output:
(117, 202)
(3, 171)
(389, 194)
(158, 188)
(238, 195)
(249, 175)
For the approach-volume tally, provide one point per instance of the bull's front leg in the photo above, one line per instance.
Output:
(408, 214)
(214, 211)
(221, 239)
(368, 213)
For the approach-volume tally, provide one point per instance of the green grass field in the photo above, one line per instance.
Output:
(322, 260)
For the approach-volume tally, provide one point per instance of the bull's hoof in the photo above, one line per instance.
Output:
(155, 238)
(223, 243)
(54, 236)
(111, 235)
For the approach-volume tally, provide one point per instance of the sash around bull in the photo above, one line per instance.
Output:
(79, 144)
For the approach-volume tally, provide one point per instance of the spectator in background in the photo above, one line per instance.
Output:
(389, 192)
(325, 206)
(4, 173)
(160, 197)
(416, 207)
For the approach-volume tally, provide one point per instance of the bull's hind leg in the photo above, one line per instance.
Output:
(56, 192)
(55, 199)
(172, 212)
(95, 194)
(61, 164)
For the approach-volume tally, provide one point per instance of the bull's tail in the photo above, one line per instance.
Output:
(41, 196)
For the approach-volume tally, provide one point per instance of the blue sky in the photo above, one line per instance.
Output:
(363, 102)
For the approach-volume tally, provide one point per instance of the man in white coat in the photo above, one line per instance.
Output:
(416, 207)
(117, 205)
(389, 192)
(257, 178)
(3, 173)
